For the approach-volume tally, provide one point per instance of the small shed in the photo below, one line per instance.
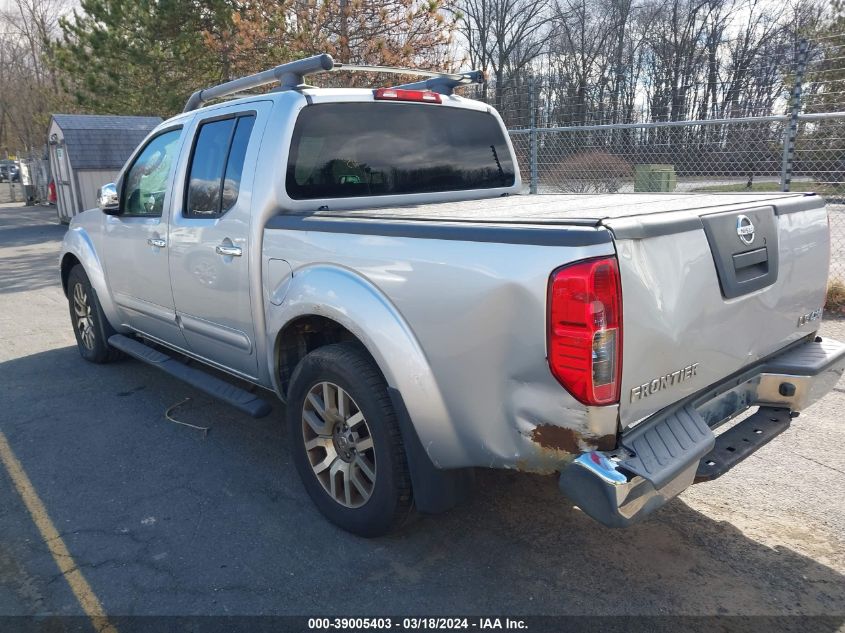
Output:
(88, 151)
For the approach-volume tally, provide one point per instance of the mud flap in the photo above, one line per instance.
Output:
(435, 490)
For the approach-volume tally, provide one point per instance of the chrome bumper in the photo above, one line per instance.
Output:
(659, 457)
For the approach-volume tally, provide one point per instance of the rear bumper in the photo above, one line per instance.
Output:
(664, 454)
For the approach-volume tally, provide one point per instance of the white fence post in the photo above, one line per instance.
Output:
(532, 139)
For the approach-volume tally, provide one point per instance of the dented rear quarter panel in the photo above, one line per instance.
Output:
(477, 311)
(469, 356)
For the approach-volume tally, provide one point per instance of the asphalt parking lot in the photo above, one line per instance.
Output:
(162, 520)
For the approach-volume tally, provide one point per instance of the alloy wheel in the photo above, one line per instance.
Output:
(339, 444)
(84, 316)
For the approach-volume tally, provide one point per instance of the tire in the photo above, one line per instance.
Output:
(90, 326)
(357, 446)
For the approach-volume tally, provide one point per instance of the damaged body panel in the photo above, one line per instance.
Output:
(470, 285)
(478, 310)
(477, 303)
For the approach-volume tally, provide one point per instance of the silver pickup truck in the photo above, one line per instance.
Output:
(364, 255)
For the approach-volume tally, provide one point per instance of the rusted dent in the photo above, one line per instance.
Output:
(560, 438)
(606, 442)
(556, 437)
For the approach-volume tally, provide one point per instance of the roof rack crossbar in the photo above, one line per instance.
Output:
(288, 75)
(446, 83)
(292, 75)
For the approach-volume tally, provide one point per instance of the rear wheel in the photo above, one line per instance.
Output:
(90, 326)
(345, 440)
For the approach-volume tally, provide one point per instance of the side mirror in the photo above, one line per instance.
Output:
(108, 200)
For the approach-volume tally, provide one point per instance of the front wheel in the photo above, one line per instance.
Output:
(90, 326)
(345, 440)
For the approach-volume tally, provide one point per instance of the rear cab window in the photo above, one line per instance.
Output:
(341, 150)
(216, 166)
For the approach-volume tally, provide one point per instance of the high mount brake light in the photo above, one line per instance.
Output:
(399, 94)
(585, 329)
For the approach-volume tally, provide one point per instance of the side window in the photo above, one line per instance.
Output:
(217, 166)
(235, 164)
(146, 180)
(207, 163)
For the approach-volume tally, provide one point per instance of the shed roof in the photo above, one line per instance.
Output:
(95, 141)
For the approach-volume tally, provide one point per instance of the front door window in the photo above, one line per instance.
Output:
(146, 180)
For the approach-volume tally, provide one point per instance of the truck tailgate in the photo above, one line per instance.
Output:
(709, 291)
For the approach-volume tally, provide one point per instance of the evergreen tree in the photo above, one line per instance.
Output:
(140, 56)
(147, 56)
(407, 33)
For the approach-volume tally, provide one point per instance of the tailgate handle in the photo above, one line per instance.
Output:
(751, 264)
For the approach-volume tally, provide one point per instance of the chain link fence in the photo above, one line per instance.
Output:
(731, 155)
(797, 144)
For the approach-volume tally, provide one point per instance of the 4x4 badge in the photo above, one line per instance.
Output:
(745, 229)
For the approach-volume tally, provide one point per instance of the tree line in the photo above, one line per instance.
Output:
(147, 56)
(591, 61)
(620, 61)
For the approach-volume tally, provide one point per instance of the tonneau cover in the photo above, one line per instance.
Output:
(711, 283)
(589, 209)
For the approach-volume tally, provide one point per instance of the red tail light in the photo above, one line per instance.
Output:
(399, 94)
(585, 329)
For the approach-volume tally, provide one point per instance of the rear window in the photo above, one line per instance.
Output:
(342, 150)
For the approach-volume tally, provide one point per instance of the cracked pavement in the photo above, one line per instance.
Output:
(163, 521)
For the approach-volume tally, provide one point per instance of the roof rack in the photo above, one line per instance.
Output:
(291, 76)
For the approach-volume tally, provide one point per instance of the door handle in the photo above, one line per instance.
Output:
(157, 242)
(228, 250)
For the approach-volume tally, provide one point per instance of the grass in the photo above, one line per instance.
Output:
(822, 189)
(835, 301)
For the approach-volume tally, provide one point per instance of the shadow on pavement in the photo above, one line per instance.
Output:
(29, 247)
(162, 521)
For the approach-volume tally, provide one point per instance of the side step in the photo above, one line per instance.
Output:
(740, 441)
(231, 394)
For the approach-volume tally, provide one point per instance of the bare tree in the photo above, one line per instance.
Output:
(584, 30)
(504, 36)
(28, 83)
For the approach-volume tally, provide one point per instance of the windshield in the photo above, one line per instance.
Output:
(371, 149)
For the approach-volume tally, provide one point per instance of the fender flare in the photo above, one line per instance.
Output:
(359, 306)
(78, 243)
(354, 302)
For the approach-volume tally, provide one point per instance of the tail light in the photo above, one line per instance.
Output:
(399, 94)
(585, 329)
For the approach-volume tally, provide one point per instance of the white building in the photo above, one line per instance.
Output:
(87, 151)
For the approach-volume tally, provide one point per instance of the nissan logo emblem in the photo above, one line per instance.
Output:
(745, 229)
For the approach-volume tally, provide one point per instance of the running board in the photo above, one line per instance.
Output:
(231, 394)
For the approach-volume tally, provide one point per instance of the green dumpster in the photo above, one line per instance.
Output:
(655, 177)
